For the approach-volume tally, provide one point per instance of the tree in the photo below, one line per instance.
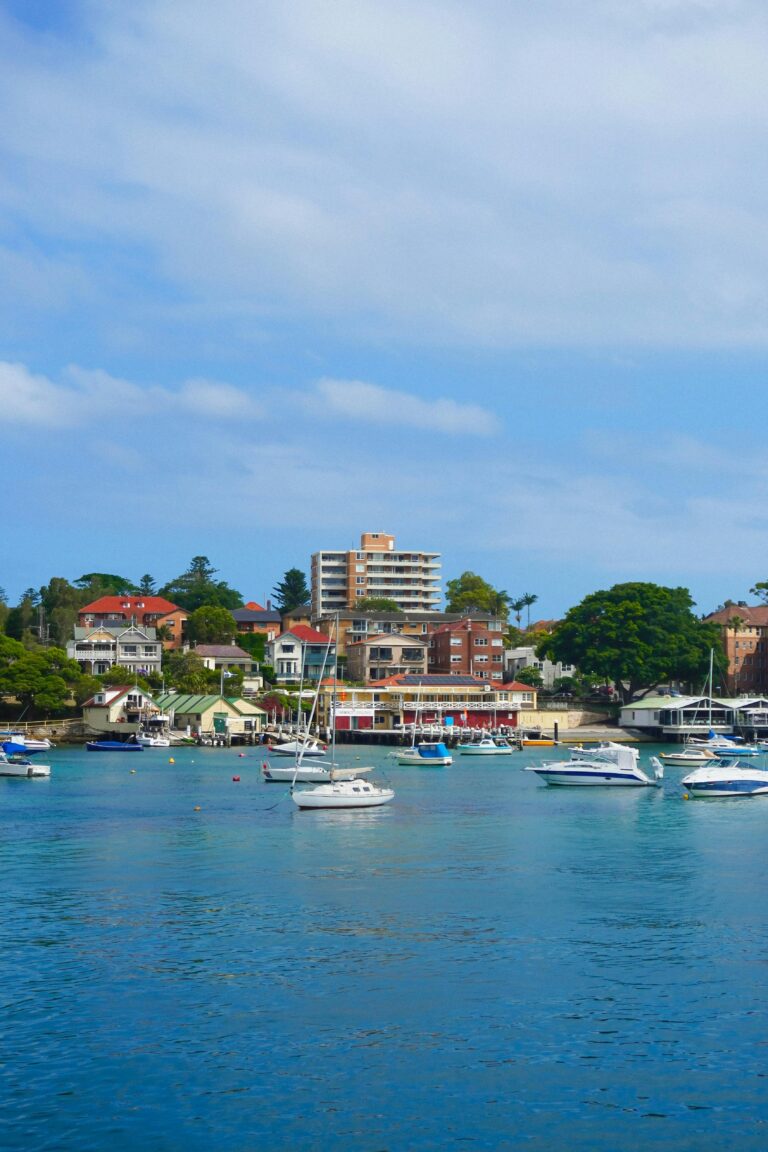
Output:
(185, 672)
(378, 604)
(635, 634)
(211, 625)
(530, 675)
(23, 617)
(3, 609)
(469, 592)
(528, 600)
(41, 680)
(760, 589)
(291, 591)
(147, 585)
(105, 584)
(196, 587)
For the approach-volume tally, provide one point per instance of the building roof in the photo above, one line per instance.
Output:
(755, 616)
(431, 680)
(114, 692)
(82, 632)
(463, 624)
(134, 605)
(185, 703)
(307, 635)
(377, 637)
(515, 686)
(222, 651)
(408, 615)
(253, 614)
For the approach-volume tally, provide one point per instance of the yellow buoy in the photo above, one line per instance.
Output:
(171, 760)
(686, 796)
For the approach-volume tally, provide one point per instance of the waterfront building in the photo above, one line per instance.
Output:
(375, 569)
(468, 647)
(386, 654)
(120, 709)
(670, 717)
(211, 715)
(744, 631)
(99, 648)
(457, 702)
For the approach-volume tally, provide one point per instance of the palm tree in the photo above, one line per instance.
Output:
(517, 607)
(527, 599)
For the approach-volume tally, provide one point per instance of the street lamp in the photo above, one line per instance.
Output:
(224, 674)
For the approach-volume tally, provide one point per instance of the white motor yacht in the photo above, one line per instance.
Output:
(609, 764)
(488, 746)
(726, 780)
(22, 766)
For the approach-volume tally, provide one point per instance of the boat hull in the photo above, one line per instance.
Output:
(727, 780)
(309, 773)
(112, 746)
(24, 769)
(591, 779)
(424, 761)
(316, 800)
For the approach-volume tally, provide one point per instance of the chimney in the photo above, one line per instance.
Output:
(269, 605)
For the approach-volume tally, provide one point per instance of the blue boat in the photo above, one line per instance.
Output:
(113, 746)
(428, 755)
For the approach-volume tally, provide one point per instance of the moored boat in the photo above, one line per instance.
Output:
(610, 764)
(114, 746)
(13, 763)
(726, 780)
(343, 794)
(310, 772)
(488, 746)
(427, 755)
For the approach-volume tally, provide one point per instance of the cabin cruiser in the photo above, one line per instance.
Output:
(343, 794)
(13, 762)
(609, 764)
(729, 779)
(488, 746)
(688, 757)
(426, 755)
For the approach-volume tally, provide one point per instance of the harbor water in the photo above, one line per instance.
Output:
(188, 962)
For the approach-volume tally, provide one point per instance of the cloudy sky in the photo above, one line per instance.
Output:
(491, 276)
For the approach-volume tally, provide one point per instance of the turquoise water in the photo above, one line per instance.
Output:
(487, 963)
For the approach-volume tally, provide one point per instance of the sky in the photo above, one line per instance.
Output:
(489, 276)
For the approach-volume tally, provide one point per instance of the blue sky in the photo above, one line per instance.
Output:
(491, 277)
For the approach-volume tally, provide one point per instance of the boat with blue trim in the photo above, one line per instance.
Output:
(609, 764)
(114, 746)
(727, 780)
(425, 755)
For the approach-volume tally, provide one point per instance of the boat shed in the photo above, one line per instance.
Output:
(669, 717)
(221, 717)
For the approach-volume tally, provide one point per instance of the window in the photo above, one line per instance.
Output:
(481, 642)
(455, 659)
(359, 567)
(455, 641)
(360, 579)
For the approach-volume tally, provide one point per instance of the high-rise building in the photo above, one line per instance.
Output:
(375, 569)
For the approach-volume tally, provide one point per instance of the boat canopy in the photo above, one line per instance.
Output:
(429, 751)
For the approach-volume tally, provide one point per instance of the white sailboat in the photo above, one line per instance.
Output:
(351, 792)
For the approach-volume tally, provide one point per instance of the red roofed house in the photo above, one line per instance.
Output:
(143, 611)
(302, 647)
(468, 648)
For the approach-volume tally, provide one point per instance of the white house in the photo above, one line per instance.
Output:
(97, 649)
(120, 709)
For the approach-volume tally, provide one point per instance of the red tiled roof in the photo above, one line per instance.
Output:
(135, 605)
(254, 607)
(308, 635)
(514, 686)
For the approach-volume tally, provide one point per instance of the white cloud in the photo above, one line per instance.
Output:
(501, 174)
(374, 405)
(88, 395)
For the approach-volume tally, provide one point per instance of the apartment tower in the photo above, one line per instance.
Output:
(376, 568)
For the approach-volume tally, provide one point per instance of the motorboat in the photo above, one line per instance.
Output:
(726, 746)
(153, 741)
(310, 772)
(114, 746)
(29, 743)
(298, 748)
(488, 746)
(688, 757)
(726, 780)
(425, 755)
(609, 764)
(14, 763)
(343, 794)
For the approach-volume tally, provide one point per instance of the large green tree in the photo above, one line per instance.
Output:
(105, 584)
(197, 586)
(42, 680)
(470, 592)
(635, 635)
(211, 625)
(291, 591)
(185, 672)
